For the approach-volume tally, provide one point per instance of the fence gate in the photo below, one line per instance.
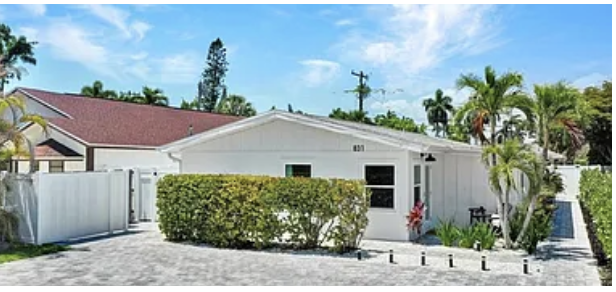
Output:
(144, 194)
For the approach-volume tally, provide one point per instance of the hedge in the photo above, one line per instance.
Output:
(239, 211)
(596, 198)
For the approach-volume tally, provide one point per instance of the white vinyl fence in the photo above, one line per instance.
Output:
(54, 207)
(144, 194)
(571, 175)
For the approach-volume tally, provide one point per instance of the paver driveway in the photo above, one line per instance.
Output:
(146, 259)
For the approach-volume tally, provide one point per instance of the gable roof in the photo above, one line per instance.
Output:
(52, 148)
(404, 140)
(104, 122)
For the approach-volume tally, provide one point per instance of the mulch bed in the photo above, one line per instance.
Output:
(603, 261)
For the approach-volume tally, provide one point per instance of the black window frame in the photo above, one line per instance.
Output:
(62, 166)
(297, 173)
(383, 189)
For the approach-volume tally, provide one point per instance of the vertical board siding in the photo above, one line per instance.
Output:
(74, 205)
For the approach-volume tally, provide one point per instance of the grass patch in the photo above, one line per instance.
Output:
(24, 251)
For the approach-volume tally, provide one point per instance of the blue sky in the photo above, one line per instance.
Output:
(303, 54)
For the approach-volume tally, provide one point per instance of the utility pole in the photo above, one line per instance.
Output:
(362, 91)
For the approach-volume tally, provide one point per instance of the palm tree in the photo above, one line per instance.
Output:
(557, 105)
(511, 156)
(353, 116)
(10, 128)
(535, 171)
(438, 109)
(235, 105)
(492, 97)
(152, 96)
(128, 96)
(97, 91)
(13, 50)
(513, 128)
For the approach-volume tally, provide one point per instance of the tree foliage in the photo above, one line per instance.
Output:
(211, 88)
(393, 121)
(510, 157)
(557, 107)
(96, 90)
(235, 105)
(13, 142)
(438, 110)
(492, 96)
(598, 132)
(152, 96)
(14, 50)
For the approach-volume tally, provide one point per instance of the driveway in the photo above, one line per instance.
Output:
(142, 257)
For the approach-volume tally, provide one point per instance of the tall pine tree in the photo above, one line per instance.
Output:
(211, 88)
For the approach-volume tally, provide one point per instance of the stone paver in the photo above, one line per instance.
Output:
(144, 258)
(567, 255)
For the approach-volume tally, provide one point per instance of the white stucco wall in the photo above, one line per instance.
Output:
(112, 158)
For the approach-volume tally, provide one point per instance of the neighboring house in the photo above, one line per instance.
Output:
(89, 134)
(399, 167)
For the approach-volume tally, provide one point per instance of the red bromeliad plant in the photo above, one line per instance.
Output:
(415, 218)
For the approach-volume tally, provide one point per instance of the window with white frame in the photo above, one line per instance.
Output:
(416, 184)
(381, 183)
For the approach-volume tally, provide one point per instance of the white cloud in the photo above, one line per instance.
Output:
(35, 9)
(593, 79)
(140, 70)
(413, 39)
(72, 43)
(345, 22)
(180, 68)
(318, 72)
(139, 56)
(119, 19)
(140, 28)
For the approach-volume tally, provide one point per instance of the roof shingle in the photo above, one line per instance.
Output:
(117, 123)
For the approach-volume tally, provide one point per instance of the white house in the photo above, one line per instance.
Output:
(88, 134)
(399, 167)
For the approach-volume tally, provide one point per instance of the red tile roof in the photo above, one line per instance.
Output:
(110, 122)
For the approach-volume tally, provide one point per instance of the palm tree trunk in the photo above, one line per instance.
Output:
(529, 216)
(505, 219)
(493, 136)
(546, 144)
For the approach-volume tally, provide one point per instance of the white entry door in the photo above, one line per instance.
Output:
(422, 187)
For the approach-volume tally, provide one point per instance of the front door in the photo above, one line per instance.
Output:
(422, 187)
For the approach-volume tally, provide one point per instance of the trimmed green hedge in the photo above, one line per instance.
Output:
(240, 211)
(596, 196)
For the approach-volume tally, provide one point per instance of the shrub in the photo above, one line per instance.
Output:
(255, 211)
(466, 237)
(484, 233)
(596, 197)
(447, 232)
(539, 229)
(540, 226)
